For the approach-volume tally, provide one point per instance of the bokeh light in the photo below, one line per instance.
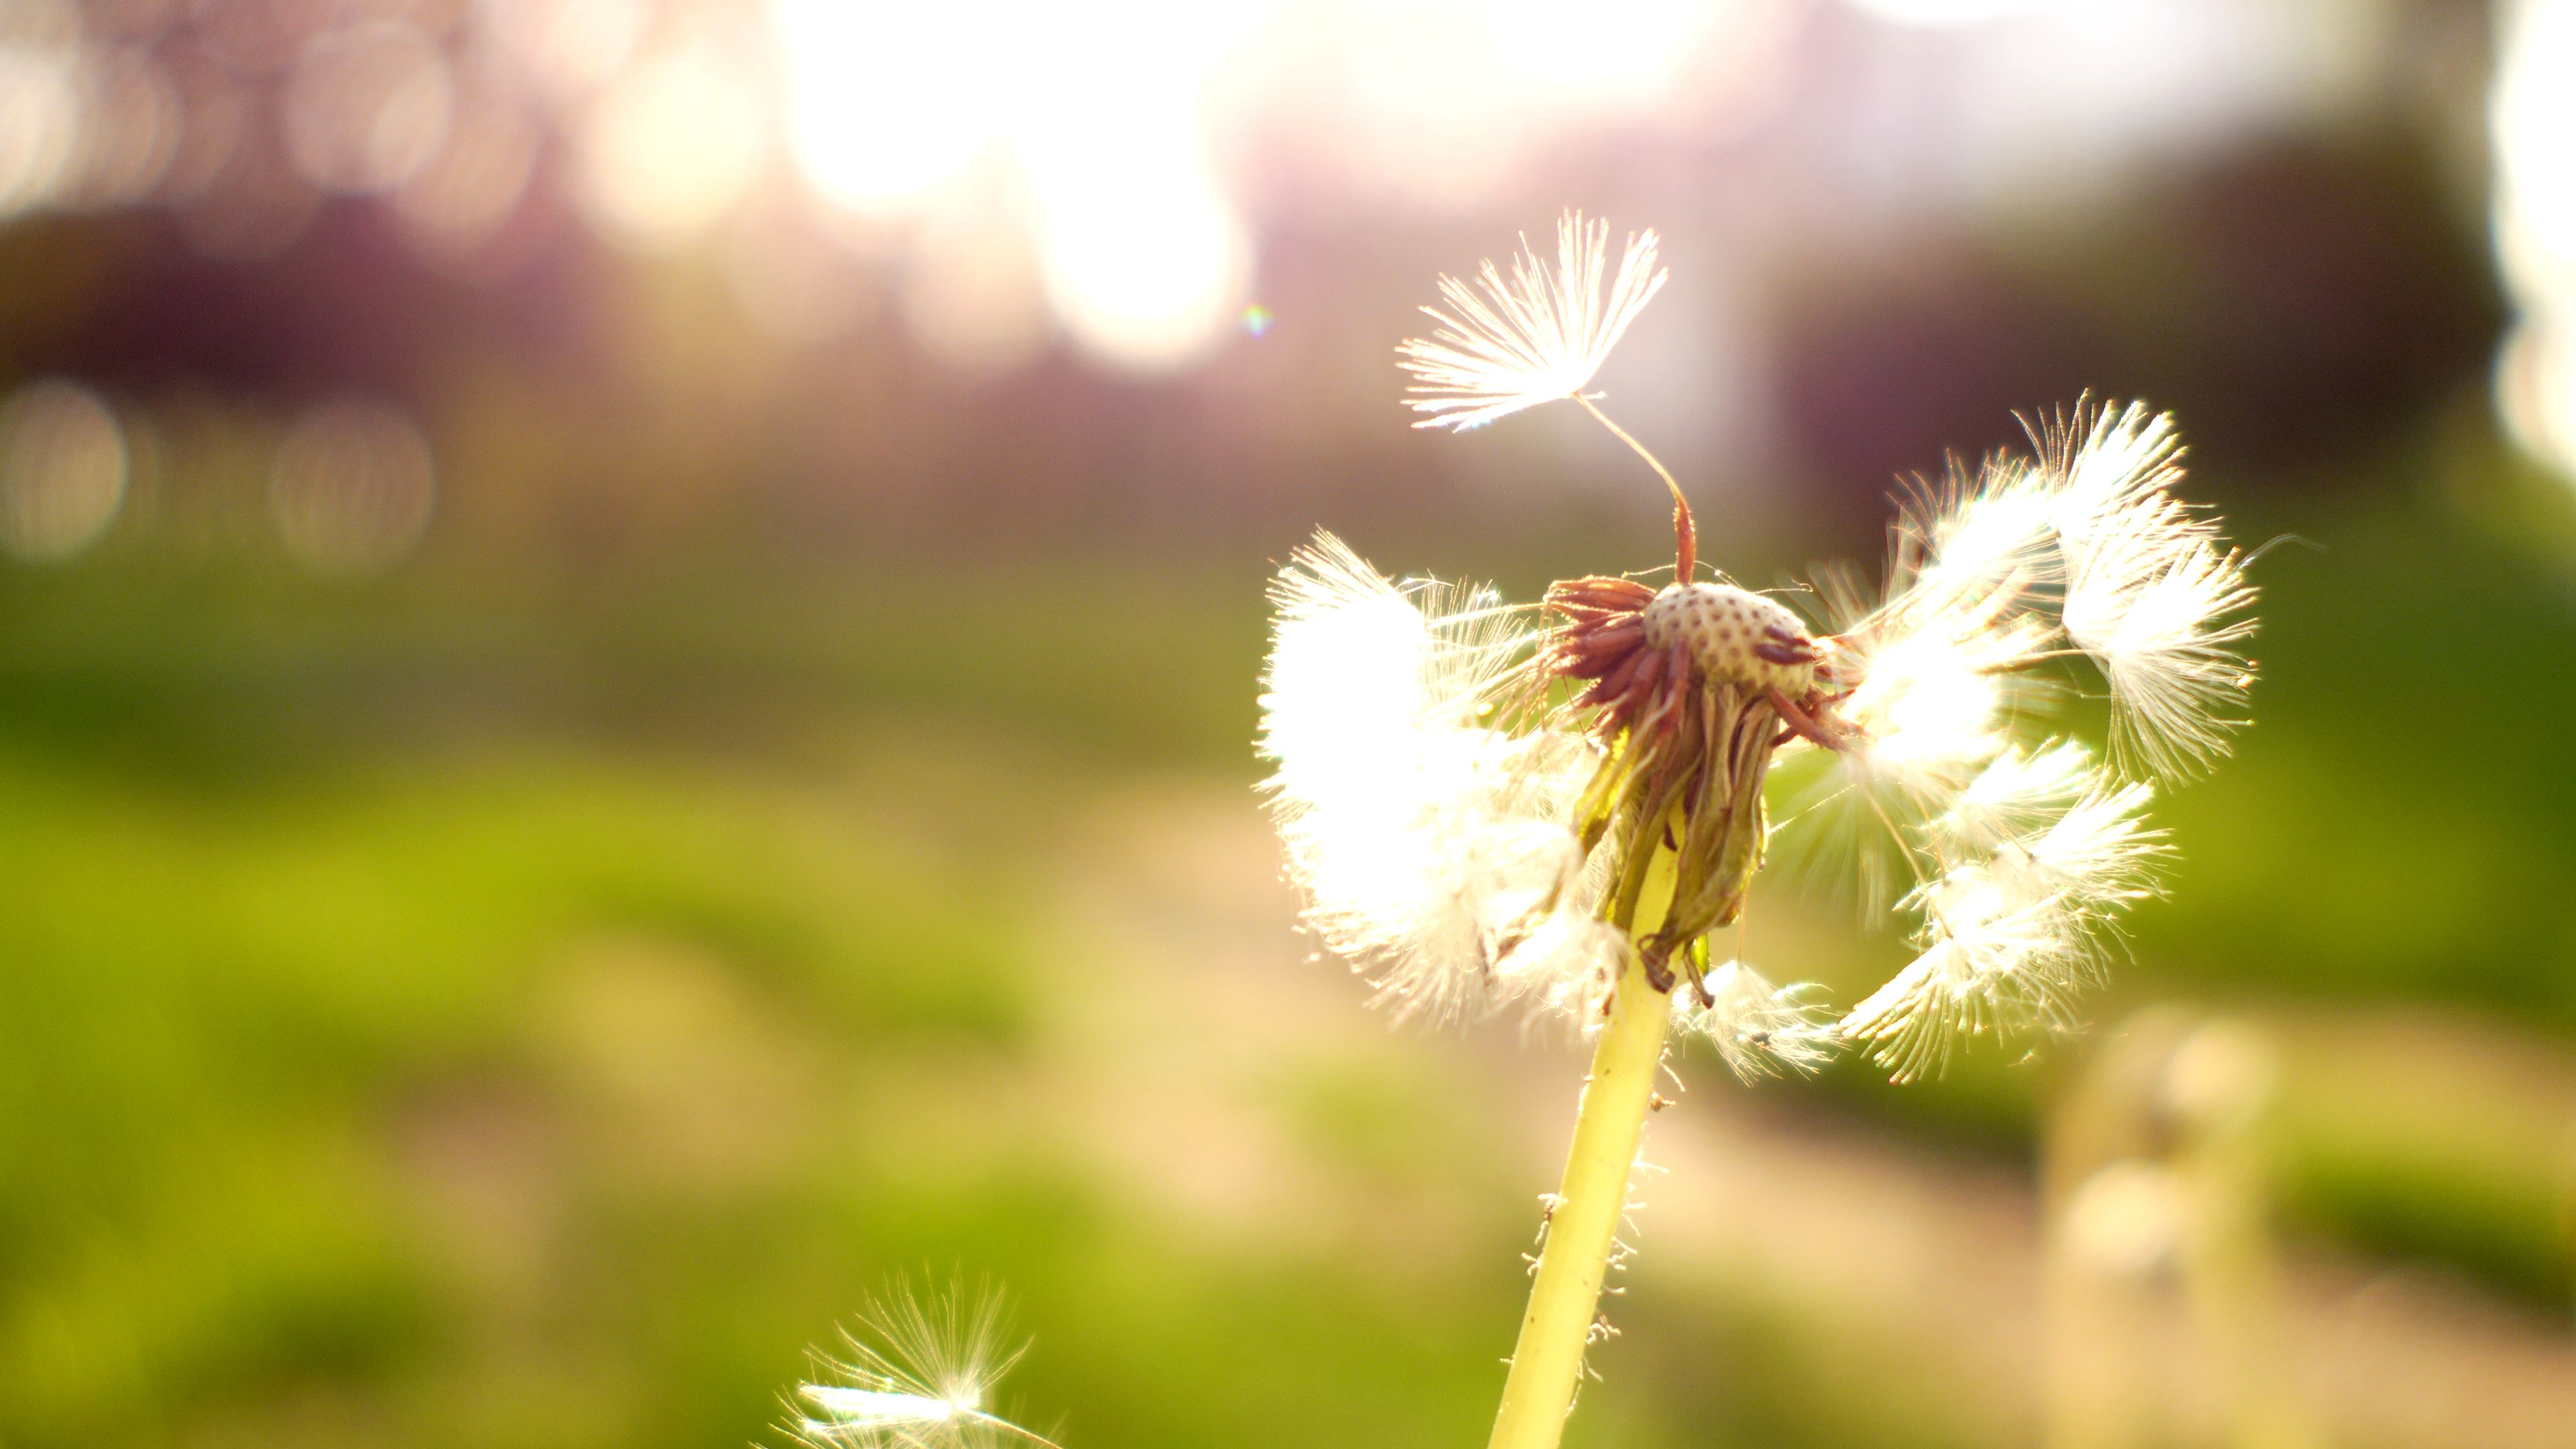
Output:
(894, 109)
(456, 202)
(214, 109)
(259, 37)
(1623, 53)
(2535, 392)
(633, 617)
(40, 122)
(2532, 115)
(793, 277)
(669, 148)
(888, 102)
(367, 108)
(1940, 12)
(973, 296)
(1118, 155)
(62, 470)
(258, 202)
(352, 487)
(1146, 265)
(130, 127)
(2126, 1220)
(572, 47)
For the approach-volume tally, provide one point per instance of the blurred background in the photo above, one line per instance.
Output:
(628, 635)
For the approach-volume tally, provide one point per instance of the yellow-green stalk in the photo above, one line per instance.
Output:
(1581, 1228)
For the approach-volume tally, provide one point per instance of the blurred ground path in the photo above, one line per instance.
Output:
(1902, 1284)
(1844, 1233)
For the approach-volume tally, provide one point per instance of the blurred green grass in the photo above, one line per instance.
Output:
(222, 1011)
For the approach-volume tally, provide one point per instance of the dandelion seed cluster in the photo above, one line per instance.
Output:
(1430, 844)
(1474, 796)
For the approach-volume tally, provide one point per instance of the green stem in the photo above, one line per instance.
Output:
(1548, 1361)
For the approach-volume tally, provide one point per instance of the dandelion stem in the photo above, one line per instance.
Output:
(1685, 531)
(1583, 1226)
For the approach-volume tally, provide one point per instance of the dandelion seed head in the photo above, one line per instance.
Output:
(2080, 550)
(1504, 344)
(2091, 531)
(1994, 534)
(846, 1407)
(1939, 665)
(1565, 969)
(1935, 705)
(1459, 785)
(2149, 592)
(1927, 707)
(1725, 630)
(2128, 1219)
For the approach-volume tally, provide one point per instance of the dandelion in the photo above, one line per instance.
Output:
(918, 1376)
(1489, 805)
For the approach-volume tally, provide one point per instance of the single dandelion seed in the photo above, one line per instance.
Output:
(1553, 808)
(1539, 336)
(2106, 465)
(1758, 1029)
(2163, 619)
(1504, 346)
(2014, 792)
(2098, 856)
(919, 1373)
